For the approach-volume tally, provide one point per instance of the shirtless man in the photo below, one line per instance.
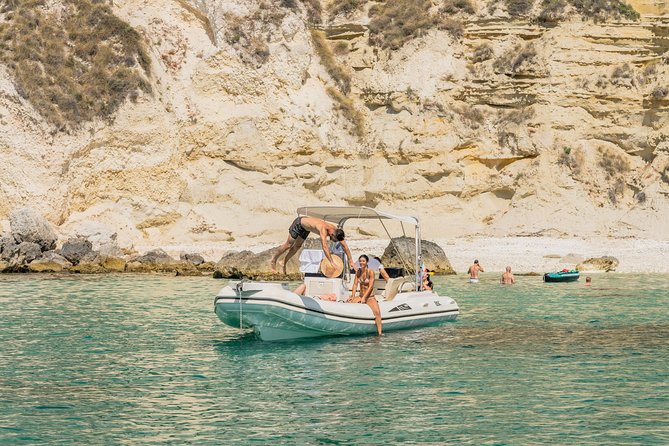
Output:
(298, 233)
(507, 277)
(474, 272)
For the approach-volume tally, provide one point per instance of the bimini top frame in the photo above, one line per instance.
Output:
(340, 214)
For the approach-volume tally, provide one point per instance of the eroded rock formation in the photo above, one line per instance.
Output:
(507, 128)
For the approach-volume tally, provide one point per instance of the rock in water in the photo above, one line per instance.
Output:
(49, 262)
(400, 252)
(28, 225)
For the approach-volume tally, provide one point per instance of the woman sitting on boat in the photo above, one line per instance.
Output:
(365, 277)
(427, 283)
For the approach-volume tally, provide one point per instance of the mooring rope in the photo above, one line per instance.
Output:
(240, 287)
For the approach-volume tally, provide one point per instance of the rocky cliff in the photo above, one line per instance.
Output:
(490, 123)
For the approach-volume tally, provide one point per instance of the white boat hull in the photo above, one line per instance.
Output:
(276, 313)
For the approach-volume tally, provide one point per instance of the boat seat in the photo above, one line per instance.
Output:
(392, 288)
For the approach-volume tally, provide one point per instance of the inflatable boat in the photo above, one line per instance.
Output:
(562, 276)
(274, 312)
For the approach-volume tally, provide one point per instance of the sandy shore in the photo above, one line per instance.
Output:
(540, 254)
(523, 254)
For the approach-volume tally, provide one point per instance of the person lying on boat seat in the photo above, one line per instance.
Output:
(302, 288)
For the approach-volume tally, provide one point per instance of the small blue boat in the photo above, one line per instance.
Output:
(562, 276)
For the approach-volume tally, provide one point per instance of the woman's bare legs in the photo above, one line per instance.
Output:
(374, 305)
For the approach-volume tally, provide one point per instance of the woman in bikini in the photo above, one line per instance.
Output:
(365, 277)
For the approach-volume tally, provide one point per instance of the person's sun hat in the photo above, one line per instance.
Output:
(332, 271)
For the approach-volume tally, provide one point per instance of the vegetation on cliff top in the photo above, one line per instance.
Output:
(393, 23)
(74, 64)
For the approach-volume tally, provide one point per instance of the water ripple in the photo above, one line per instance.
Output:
(143, 359)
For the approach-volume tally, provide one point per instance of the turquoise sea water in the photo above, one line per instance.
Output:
(143, 359)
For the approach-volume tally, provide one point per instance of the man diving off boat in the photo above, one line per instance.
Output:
(298, 233)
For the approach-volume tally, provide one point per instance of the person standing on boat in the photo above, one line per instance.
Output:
(507, 277)
(298, 233)
(474, 272)
(365, 278)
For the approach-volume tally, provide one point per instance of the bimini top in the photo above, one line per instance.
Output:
(339, 214)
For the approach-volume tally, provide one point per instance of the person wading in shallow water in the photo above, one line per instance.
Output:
(474, 272)
(298, 233)
(507, 277)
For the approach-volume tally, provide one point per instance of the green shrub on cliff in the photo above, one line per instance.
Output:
(74, 65)
(338, 73)
(346, 106)
(394, 23)
(344, 7)
(602, 10)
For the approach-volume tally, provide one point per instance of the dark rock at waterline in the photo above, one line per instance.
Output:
(49, 262)
(28, 225)
(18, 254)
(158, 261)
(206, 266)
(75, 249)
(173, 266)
(8, 247)
(400, 253)
(195, 259)
(155, 256)
(95, 263)
(28, 251)
(255, 266)
(188, 271)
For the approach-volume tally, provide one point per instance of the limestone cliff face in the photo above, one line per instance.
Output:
(510, 129)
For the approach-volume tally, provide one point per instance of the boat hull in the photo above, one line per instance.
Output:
(276, 313)
(561, 277)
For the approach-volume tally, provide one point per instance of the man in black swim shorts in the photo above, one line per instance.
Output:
(299, 231)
